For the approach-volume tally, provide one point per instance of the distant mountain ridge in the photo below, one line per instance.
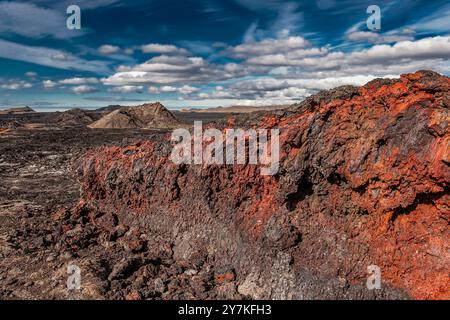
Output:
(236, 109)
(17, 110)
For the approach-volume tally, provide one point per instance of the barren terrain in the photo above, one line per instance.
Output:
(363, 180)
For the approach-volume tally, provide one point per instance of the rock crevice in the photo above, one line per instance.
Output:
(363, 180)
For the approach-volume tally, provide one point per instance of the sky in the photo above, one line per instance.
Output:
(208, 53)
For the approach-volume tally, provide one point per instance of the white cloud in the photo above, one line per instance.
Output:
(49, 84)
(153, 89)
(272, 91)
(296, 69)
(79, 85)
(79, 81)
(173, 69)
(108, 49)
(203, 95)
(288, 58)
(250, 33)
(31, 74)
(127, 89)
(49, 57)
(438, 21)
(427, 48)
(283, 89)
(295, 58)
(163, 49)
(185, 90)
(289, 18)
(268, 46)
(375, 60)
(16, 85)
(61, 56)
(168, 89)
(83, 89)
(373, 37)
(29, 20)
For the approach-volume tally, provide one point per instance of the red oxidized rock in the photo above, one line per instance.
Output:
(363, 180)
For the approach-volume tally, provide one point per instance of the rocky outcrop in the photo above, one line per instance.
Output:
(146, 116)
(76, 117)
(19, 110)
(363, 180)
(9, 124)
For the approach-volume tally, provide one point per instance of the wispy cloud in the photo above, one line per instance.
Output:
(50, 58)
(29, 20)
(289, 20)
(49, 84)
(268, 46)
(165, 69)
(108, 49)
(83, 89)
(186, 90)
(127, 89)
(271, 52)
(163, 48)
(85, 4)
(15, 85)
(79, 81)
(438, 21)
(113, 99)
(377, 38)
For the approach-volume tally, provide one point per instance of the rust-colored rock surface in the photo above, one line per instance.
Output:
(363, 180)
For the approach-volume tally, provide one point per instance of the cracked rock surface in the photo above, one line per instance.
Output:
(363, 180)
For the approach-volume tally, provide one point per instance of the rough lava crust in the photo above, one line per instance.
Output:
(364, 179)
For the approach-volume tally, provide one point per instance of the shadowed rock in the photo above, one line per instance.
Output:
(364, 180)
(75, 117)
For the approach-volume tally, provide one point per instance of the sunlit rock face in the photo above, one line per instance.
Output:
(363, 180)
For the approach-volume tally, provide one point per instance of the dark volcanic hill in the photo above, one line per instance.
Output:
(147, 116)
(26, 109)
(364, 180)
(109, 108)
(6, 125)
(76, 117)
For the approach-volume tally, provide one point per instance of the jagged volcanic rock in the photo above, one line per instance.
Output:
(9, 124)
(20, 110)
(76, 117)
(153, 115)
(363, 180)
(109, 108)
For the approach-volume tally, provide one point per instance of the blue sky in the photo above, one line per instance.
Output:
(200, 53)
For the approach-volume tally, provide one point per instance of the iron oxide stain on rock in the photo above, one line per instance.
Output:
(363, 180)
